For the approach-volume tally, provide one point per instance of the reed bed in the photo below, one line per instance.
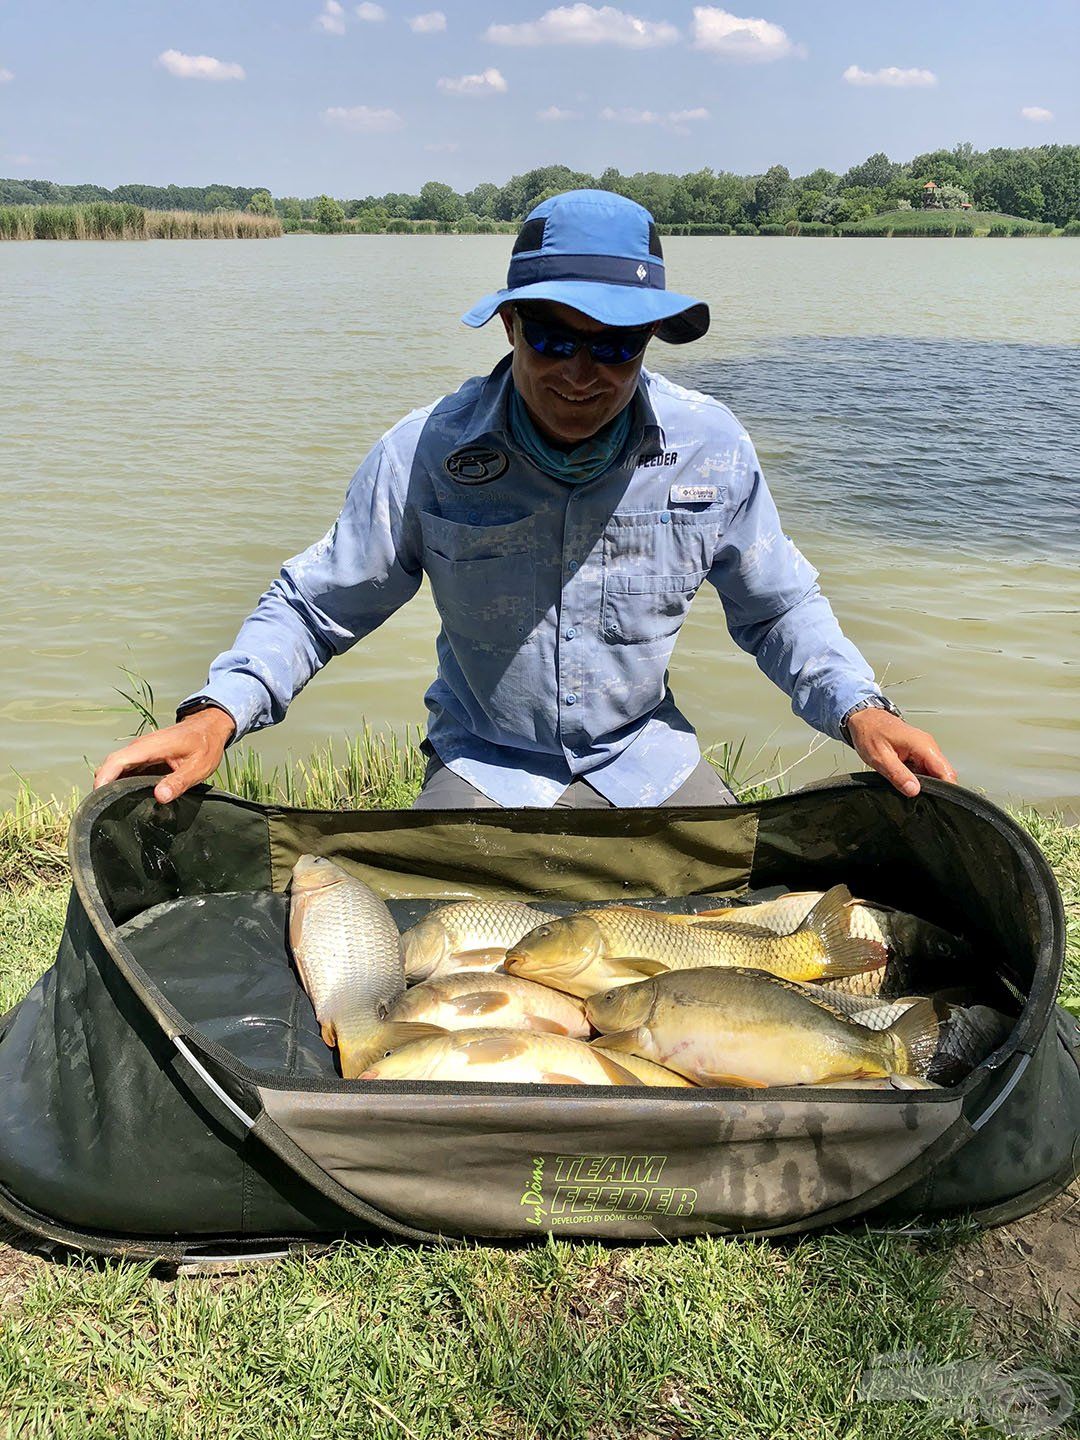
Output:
(109, 220)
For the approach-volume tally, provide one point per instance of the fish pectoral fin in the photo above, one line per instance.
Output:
(397, 1033)
(480, 1002)
(329, 1034)
(553, 1077)
(617, 1040)
(637, 966)
(478, 959)
(494, 1049)
(729, 1082)
(543, 1026)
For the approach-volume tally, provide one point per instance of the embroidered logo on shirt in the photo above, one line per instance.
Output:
(475, 464)
(693, 494)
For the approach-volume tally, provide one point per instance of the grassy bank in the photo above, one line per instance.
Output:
(106, 220)
(705, 1340)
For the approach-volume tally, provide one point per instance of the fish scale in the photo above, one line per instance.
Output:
(349, 955)
(594, 949)
(482, 930)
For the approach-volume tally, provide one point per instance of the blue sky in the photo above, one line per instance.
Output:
(309, 95)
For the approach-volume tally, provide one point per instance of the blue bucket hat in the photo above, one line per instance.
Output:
(599, 253)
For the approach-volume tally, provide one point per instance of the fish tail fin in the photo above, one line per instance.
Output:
(914, 1037)
(845, 955)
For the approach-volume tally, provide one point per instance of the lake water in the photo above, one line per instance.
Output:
(178, 417)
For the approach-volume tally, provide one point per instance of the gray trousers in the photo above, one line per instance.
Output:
(443, 790)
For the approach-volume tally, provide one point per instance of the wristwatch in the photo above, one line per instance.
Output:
(872, 702)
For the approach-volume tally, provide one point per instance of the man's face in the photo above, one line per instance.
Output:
(570, 399)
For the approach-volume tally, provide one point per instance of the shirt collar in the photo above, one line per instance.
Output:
(490, 423)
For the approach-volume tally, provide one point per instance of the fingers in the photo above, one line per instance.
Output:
(884, 759)
(139, 758)
(897, 750)
(187, 753)
(929, 760)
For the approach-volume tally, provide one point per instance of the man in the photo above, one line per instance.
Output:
(565, 509)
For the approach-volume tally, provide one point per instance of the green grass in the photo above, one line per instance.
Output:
(711, 1339)
(931, 222)
(108, 220)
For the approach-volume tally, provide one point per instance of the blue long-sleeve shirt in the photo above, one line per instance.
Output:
(560, 603)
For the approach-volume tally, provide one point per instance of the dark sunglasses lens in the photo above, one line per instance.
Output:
(549, 341)
(607, 347)
(617, 349)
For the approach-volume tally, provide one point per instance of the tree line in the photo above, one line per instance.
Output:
(1040, 183)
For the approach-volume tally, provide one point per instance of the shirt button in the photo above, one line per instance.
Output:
(665, 518)
(572, 566)
(569, 634)
(474, 517)
(571, 699)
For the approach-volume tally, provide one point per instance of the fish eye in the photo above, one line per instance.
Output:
(544, 930)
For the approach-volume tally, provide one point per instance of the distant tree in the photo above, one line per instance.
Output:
(823, 180)
(876, 171)
(481, 200)
(216, 197)
(440, 203)
(261, 203)
(951, 197)
(329, 216)
(289, 208)
(773, 192)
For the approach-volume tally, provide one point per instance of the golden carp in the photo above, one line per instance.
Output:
(902, 934)
(468, 935)
(348, 952)
(485, 1000)
(734, 1026)
(513, 1057)
(594, 950)
(647, 1071)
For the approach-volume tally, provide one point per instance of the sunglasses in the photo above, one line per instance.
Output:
(607, 347)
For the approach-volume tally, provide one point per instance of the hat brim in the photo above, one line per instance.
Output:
(681, 318)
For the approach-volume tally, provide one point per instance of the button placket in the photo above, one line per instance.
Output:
(571, 675)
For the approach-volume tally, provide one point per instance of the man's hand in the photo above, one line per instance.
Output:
(897, 750)
(187, 752)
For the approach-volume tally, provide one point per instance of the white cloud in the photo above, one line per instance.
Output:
(553, 113)
(362, 118)
(890, 75)
(6, 75)
(585, 25)
(488, 82)
(429, 24)
(332, 19)
(675, 120)
(741, 38)
(370, 12)
(199, 67)
(1029, 112)
(443, 147)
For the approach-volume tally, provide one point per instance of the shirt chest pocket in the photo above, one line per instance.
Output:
(653, 566)
(483, 578)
